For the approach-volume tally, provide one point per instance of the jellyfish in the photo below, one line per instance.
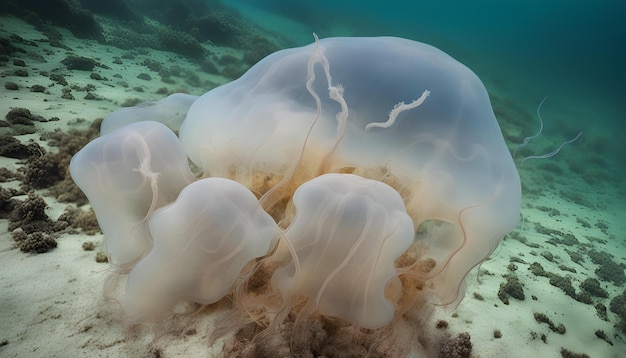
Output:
(375, 167)
(170, 111)
(387, 109)
(126, 175)
(345, 227)
(203, 242)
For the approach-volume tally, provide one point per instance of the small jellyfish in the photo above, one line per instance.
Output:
(202, 243)
(347, 234)
(126, 175)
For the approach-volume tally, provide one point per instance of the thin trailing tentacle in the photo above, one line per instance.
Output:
(528, 139)
(552, 153)
(272, 196)
(342, 264)
(336, 94)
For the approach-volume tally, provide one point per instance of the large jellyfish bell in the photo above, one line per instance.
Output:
(384, 108)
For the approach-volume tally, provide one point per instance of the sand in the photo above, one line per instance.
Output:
(52, 304)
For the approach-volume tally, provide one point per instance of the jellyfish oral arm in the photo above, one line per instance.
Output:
(400, 107)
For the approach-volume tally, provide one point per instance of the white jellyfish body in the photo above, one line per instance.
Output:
(202, 242)
(350, 144)
(386, 108)
(347, 233)
(170, 111)
(126, 175)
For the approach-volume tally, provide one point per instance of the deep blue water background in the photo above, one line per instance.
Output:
(574, 52)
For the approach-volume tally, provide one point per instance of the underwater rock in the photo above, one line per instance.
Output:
(79, 63)
(512, 287)
(65, 13)
(36, 242)
(11, 86)
(457, 347)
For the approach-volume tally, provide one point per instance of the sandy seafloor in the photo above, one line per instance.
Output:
(51, 304)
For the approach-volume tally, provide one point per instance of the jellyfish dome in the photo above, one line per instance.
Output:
(385, 108)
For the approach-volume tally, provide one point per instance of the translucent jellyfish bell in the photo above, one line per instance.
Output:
(385, 108)
(202, 242)
(170, 111)
(126, 175)
(347, 233)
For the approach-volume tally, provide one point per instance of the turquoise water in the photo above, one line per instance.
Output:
(570, 51)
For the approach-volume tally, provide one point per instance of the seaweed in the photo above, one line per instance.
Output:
(575, 256)
(537, 269)
(11, 147)
(457, 347)
(7, 202)
(603, 227)
(511, 288)
(516, 236)
(548, 256)
(618, 306)
(36, 242)
(80, 219)
(609, 270)
(30, 215)
(592, 286)
(551, 211)
(601, 312)
(564, 283)
(583, 223)
(567, 268)
(600, 334)
(542, 318)
(569, 354)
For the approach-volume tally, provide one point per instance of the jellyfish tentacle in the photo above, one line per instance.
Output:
(145, 170)
(528, 139)
(335, 92)
(273, 195)
(554, 152)
(349, 256)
